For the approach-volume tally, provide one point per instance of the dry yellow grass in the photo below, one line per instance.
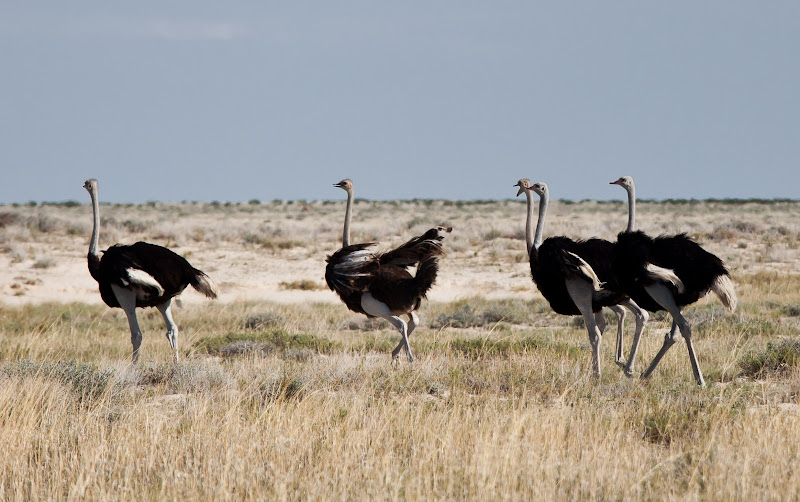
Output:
(277, 401)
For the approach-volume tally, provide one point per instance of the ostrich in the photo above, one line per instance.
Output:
(379, 284)
(576, 277)
(667, 273)
(142, 275)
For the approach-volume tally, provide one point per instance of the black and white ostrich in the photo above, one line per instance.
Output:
(142, 275)
(576, 277)
(667, 273)
(379, 284)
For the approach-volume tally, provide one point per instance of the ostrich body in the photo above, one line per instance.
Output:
(379, 284)
(576, 277)
(667, 273)
(142, 275)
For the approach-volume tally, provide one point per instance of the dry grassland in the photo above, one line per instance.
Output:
(282, 394)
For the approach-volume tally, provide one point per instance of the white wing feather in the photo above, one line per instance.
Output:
(142, 278)
(665, 275)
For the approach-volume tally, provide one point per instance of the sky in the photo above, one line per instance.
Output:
(447, 99)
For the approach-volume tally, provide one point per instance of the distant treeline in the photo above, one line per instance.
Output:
(425, 202)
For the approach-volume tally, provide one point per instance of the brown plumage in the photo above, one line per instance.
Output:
(380, 284)
(354, 270)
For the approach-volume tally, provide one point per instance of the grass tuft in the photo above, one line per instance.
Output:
(479, 348)
(85, 380)
(265, 342)
(303, 285)
(777, 357)
(478, 313)
(181, 377)
(266, 320)
(282, 388)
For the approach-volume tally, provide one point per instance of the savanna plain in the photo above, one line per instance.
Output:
(281, 393)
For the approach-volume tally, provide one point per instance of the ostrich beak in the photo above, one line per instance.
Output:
(520, 190)
(614, 183)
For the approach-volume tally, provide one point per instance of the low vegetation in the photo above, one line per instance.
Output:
(499, 404)
(302, 285)
(275, 401)
(266, 342)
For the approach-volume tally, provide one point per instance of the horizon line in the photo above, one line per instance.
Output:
(254, 201)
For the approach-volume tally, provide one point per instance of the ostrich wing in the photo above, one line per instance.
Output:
(349, 268)
(126, 266)
(578, 266)
(413, 251)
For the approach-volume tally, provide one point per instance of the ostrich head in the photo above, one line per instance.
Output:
(540, 188)
(441, 231)
(523, 184)
(90, 185)
(345, 185)
(625, 182)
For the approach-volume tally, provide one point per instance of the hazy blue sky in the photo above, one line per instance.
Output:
(210, 100)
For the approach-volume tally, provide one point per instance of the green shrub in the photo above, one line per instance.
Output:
(264, 342)
(483, 313)
(777, 357)
(263, 321)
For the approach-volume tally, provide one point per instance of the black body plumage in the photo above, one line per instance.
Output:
(171, 270)
(551, 264)
(695, 267)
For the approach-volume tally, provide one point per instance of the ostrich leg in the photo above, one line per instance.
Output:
(581, 293)
(379, 309)
(172, 329)
(663, 295)
(127, 301)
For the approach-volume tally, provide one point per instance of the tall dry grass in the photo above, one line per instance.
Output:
(501, 408)
(300, 401)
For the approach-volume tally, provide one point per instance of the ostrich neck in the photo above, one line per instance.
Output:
(529, 222)
(631, 209)
(537, 239)
(347, 217)
(96, 227)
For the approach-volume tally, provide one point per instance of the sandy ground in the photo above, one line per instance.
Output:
(244, 275)
(43, 256)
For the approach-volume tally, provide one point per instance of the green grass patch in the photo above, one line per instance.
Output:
(476, 312)
(273, 340)
(777, 357)
(749, 326)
